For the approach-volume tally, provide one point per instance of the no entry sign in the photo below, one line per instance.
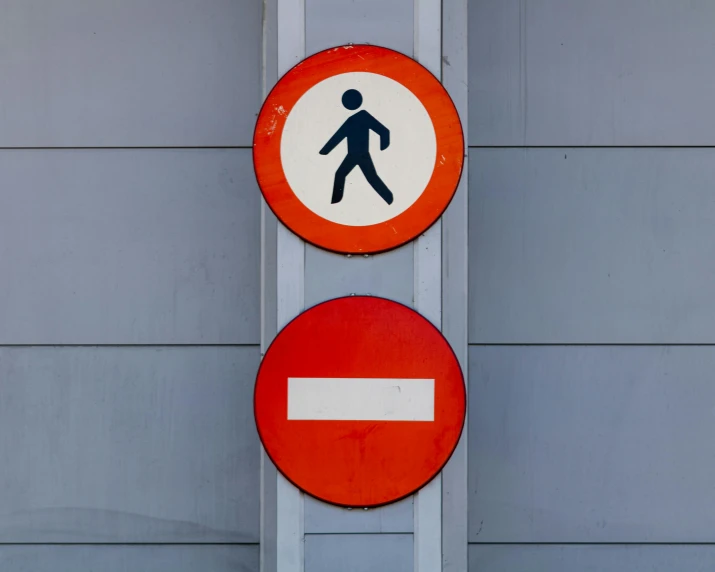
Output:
(359, 401)
(358, 149)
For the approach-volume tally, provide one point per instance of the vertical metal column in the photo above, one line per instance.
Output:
(290, 299)
(438, 284)
(454, 285)
(428, 296)
(269, 321)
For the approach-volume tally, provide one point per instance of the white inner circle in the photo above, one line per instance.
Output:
(405, 166)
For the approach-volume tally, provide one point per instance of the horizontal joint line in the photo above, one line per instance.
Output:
(129, 543)
(592, 543)
(187, 345)
(588, 344)
(591, 146)
(127, 148)
(358, 532)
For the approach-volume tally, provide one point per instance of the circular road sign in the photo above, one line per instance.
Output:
(358, 149)
(359, 401)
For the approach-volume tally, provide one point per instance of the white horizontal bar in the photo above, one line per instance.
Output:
(360, 399)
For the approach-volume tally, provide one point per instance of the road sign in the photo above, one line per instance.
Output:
(359, 401)
(358, 149)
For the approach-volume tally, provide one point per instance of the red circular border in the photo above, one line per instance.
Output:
(358, 239)
(315, 483)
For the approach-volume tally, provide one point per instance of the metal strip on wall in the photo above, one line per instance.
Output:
(269, 283)
(290, 299)
(428, 296)
(454, 285)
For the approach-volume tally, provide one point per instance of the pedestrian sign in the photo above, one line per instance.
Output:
(359, 401)
(356, 130)
(358, 149)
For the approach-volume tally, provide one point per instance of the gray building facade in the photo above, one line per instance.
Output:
(143, 277)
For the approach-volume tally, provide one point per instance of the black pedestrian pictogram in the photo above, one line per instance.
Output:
(357, 131)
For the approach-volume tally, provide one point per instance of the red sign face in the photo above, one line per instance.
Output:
(359, 401)
(358, 149)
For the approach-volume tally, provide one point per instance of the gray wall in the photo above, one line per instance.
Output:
(129, 308)
(131, 314)
(590, 311)
(573, 72)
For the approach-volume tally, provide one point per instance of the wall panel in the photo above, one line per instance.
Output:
(595, 558)
(129, 247)
(578, 72)
(359, 552)
(396, 517)
(384, 23)
(88, 73)
(104, 558)
(128, 445)
(591, 444)
(333, 275)
(591, 246)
